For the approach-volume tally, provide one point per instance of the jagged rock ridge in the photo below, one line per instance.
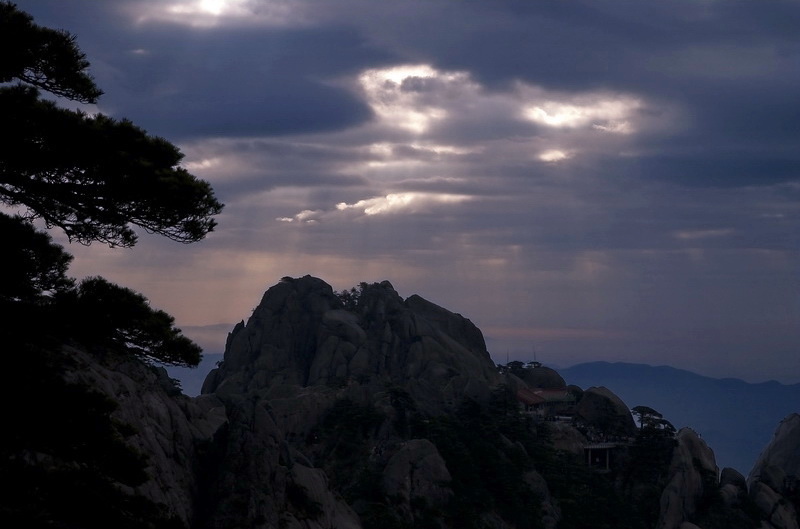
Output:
(384, 412)
(300, 335)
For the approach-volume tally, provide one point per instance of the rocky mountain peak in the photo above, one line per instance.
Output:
(303, 334)
(279, 340)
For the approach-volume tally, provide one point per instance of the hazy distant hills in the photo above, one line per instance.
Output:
(736, 418)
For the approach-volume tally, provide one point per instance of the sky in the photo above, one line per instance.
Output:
(585, 180)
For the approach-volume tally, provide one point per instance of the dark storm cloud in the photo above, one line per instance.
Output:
(183, 82)
(251, 82)
(580, 44)
(714, 169)
(757, 111)
(304, 107)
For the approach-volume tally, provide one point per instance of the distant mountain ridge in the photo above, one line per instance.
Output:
(735, 417)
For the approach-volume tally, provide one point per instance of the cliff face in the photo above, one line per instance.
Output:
(774, 479)
(692, 475)
(374, 411)
(171, 429)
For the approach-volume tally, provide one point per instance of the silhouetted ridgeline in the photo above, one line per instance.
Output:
(366, 410)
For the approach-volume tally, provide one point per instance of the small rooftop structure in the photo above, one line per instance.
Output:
(546, 402)
(529, 397)
(598, 455)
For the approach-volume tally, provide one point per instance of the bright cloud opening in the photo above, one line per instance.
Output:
(616, 127)
(209, 13)
(386, 149)
(612, 115)
(307, 216)
(554, 155)
(214, 8)
(398, 94)
(206, 163)
(397, 202)
(383, 205)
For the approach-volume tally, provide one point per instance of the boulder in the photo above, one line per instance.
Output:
(543, 377)
(732, 487)
(601, 409)
(416, 471)
(313, 504)
(778, 513)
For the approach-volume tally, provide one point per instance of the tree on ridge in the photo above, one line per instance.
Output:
(91, 176)
(94, 177)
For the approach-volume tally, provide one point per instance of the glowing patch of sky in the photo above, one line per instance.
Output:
(393, 203)
(389, 94)
(400, 202)
(554, 155)
(602, 112)
(206, 163)
(410, 99)
(208, 13)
